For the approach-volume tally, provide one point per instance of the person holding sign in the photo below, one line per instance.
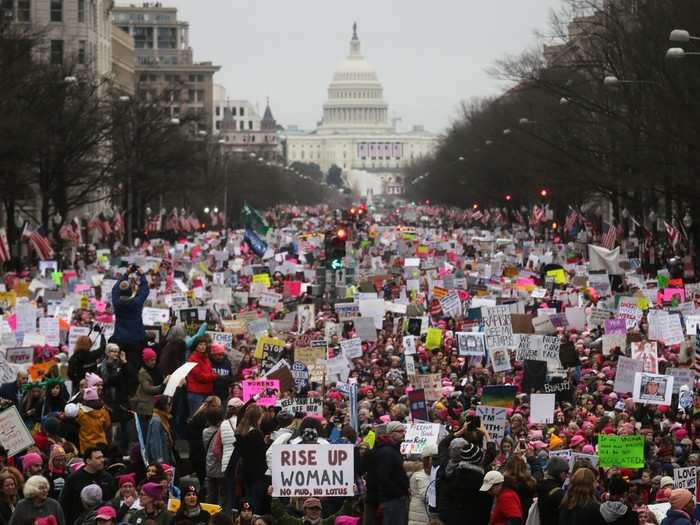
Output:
(200, 381)
(312, 512)
(128, 299)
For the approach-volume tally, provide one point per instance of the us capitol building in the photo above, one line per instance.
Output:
(355, 133)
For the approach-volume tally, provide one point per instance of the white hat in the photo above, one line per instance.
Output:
(490, 479)
(666, 480)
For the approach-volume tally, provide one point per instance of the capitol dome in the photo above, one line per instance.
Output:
(355, 97)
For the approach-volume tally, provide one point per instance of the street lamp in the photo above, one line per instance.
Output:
(612, 82)
(678, 53)
(70, 80)
(460, 158)
(682, 36)
(206, 209)
(507, 131)
(175, 121)
(564, 101)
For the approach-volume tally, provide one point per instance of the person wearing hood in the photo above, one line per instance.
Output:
(392, 481)
(129, 332)
(460, 483)
(94, 421)
(682, 508)
(615, 511)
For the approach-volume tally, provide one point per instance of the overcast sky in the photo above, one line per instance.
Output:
(429, 54)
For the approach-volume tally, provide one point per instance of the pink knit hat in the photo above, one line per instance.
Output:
(148, 354)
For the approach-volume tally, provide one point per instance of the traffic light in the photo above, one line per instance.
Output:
(335, 248)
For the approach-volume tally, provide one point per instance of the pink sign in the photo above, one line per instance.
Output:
(266, 389)
(669, 293)
(525, 282)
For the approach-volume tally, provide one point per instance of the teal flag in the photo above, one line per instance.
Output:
(251, 218)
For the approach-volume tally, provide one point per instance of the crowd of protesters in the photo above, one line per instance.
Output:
(109, 446)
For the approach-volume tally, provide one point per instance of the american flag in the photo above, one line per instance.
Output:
(518, 217)
(536, 216)
(4, 246)
(696, 364)
(185, 225)
(607, 239)
(571, 220)
(118, 223)
(499, 217)
(672, 233)
(173, 223)
(194, 222)
(39, 242)
(486, 217)
(154, 224)
(477, 215)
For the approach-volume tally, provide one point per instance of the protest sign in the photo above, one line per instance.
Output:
(615, 326)
(268, 350)
(347, 311)
(598, 316)
(648, 354)
(621, 451)
(418, 435)
(433, 339)
(614, 341)
(685, 478)
(418, 405)
(14, 435)
(542, 408)
(652, 389)
(431, 384)
(500, 359)
(300, 373)
(351, 348)
(561, 390)
(409, 344)
(365, 329)
(265, 391)
(222, 338)
(672, 330)
(502, 396)
(494, 420)
(312, 470)
(155, 316)
(75, 333)
(471, 344)
(629, 310)
(627, 368)
(681, 377)
(23, 355)
(303, 405)
(178, 375)
(498, 328)
(49, 327)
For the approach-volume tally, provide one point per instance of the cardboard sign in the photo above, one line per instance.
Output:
(627, 368)
(646, 352)
(685, 478)
(418, 435)
(621, 451)
(431, 384)
(266, 389)
(494, 420)
(155, 316)
(471, 344)
(498, 328)
(303, 405)
(312, 470)
(49, 327)
(351, 348)
(652, 389)
(542, 408)
(14, 435)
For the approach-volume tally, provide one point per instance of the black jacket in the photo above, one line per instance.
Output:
(80, 363)
(77, 481)
(392, 481)
(617, 513)
(11, 392)
(549, 496)
(460, 496)
(579, 515)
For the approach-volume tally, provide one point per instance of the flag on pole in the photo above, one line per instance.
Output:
(486, 217)
(609, 235)
(672, 233)
(39, 242)
(118, 224)
(571, 220)
(251, 219)
(173, 223)
(256, 244)
(154, 224)
(696, 364)
(194, 222)
(4, 246)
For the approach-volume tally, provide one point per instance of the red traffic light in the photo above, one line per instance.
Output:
(341, 233)
(509, 197)
(544, 193)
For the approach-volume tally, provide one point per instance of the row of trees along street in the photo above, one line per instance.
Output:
(596, 111)
(68, 139)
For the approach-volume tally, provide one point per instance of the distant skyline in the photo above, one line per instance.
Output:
(429, 55)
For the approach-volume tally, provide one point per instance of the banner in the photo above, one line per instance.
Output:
(418, 435)
(685, 478)
(498, 328)
(471, 344)
(494, 420)
(302, 405)
(312, 470)
(621, 451)
(652, 389)
(267, 389)
(14, 435)
(431, 384)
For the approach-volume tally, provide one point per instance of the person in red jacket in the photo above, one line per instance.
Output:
(200, 380)
(506, 508)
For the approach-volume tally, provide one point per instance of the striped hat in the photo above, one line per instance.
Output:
(471, 453)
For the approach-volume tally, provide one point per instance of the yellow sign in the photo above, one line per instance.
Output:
(84, 302)
(262, 278)
(266, 341)
(422, 250)
(174, 505)
(8, 298)
(434, 339)
(559, 276)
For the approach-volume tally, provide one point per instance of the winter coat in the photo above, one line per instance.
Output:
(580, 515)
(616, 512)
(142, 402)
(172, 356)
(418, 484)
(84, 361)
(161, 518)
(251, 449)
(282, 517)
(213, 463)
(549, 496)
(223, 382)
(158, 449)
(507, 508)
(392, 480)
(460, 496)
(128, 324)
(201, 379)
(115, 375)
(677, 517)
(26, 512)
(94, 423)
(77, 481)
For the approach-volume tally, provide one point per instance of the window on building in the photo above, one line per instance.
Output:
(252, 139)
(153, 78)
(242, 125)
(218, 123)
(81, 11)
(250, 124)
(193, 78)
(57, 10)
(233, 111)
(24, 10)
(200, 95)
(176, 110)
(242, 112)
(57, 52)
(167, 38)
(143, 37)
(7, 9)
(191, 94)
(218, 111)
(82, 52)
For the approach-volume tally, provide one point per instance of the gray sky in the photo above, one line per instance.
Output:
(429, 54)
